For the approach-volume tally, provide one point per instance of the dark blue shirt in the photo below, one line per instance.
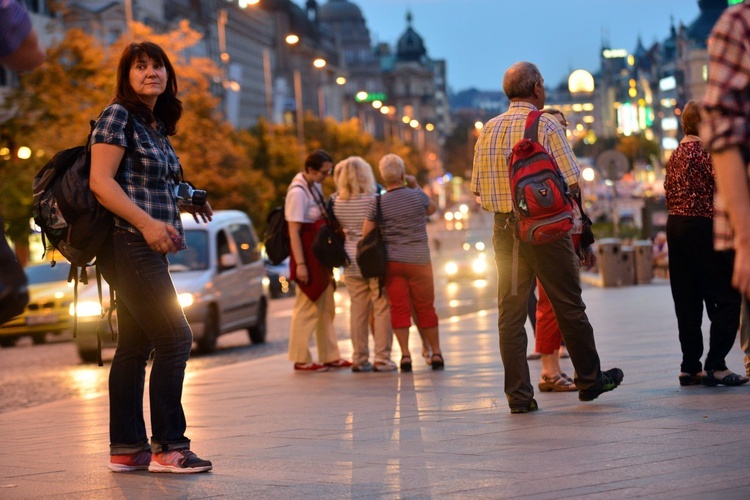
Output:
(150, 171)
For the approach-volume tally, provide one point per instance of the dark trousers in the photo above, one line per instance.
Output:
(149, 317)
(556, 265)
(698, 275)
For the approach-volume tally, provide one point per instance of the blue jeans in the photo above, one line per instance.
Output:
(149, 317)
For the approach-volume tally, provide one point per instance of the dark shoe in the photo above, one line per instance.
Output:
(437, 362)
(730, 380)
(691, 378)
(533, 406)
(534, 355)
(610, 380)
(178, 462)
(406, 365)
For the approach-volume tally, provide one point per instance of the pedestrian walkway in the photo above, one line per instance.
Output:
(272, 433)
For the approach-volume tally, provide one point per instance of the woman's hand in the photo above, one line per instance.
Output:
(410, 181)
(205, 212)
(161, 237)
(303, 276)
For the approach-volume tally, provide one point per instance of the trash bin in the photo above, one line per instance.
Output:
(627, 266)
(608, 260)
(644, 268)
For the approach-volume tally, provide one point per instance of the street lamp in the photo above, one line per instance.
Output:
(227, 83)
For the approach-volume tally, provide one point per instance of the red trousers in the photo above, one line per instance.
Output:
(548, 335)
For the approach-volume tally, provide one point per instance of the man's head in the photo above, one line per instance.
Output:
(524, 82)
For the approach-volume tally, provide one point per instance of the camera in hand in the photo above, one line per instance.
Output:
(187, 195)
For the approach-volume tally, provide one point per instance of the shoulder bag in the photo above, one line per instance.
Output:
(372, 257)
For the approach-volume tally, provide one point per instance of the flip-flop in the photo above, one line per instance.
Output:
(730, 380)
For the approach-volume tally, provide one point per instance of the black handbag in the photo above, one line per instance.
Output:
(328, 244)
(372, 257)
(14, 294)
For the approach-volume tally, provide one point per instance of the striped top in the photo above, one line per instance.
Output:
(404, 228)
(351, 215)
(15, 26)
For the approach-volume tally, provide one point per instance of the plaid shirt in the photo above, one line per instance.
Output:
(490, 179)
(150, 181)
(727, 101)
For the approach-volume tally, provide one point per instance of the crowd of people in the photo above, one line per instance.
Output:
(134, 170)
(408, 291)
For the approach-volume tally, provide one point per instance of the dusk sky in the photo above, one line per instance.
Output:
(480, 39)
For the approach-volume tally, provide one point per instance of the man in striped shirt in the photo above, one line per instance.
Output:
(555, 264)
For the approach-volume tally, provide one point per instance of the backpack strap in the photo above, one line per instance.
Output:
(531, 130)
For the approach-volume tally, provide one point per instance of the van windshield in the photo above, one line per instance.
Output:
(195, 258)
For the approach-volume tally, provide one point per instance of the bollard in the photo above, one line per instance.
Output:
(644, 266)
(627, 266)
(608, 257)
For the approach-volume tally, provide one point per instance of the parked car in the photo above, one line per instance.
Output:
(50, 295)
(219, 283)
(277, 279)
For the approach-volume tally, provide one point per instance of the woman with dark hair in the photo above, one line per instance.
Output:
(314, 307)
(697, 272)
(134, 171)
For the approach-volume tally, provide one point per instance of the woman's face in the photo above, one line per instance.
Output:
(148, 79)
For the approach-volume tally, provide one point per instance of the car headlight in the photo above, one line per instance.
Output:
(479, 265)
(451, 268)
(86, 309)
(185, 299)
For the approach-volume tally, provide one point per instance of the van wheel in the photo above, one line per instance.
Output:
(39, 338)
(207, 343)
(257, 332)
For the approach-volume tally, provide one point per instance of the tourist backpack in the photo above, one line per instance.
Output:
(71, 219)
(541, 200)
(277, 241)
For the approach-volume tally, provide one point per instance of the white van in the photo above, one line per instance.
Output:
(219, 282)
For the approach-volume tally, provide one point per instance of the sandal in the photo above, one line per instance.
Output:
(558, 383)
(405, 364)
(437, 362)
(730, 380)
(566, 377)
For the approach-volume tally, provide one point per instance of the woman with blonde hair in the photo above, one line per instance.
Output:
(355, 194)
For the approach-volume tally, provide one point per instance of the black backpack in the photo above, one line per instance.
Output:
(277, 241)
(72, 220)
(70, 217)
(372, 255)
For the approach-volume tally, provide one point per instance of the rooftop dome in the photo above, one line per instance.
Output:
(410, 46)
(337, 11)
(700, 29)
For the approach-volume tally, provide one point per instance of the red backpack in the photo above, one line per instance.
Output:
(541, 198)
